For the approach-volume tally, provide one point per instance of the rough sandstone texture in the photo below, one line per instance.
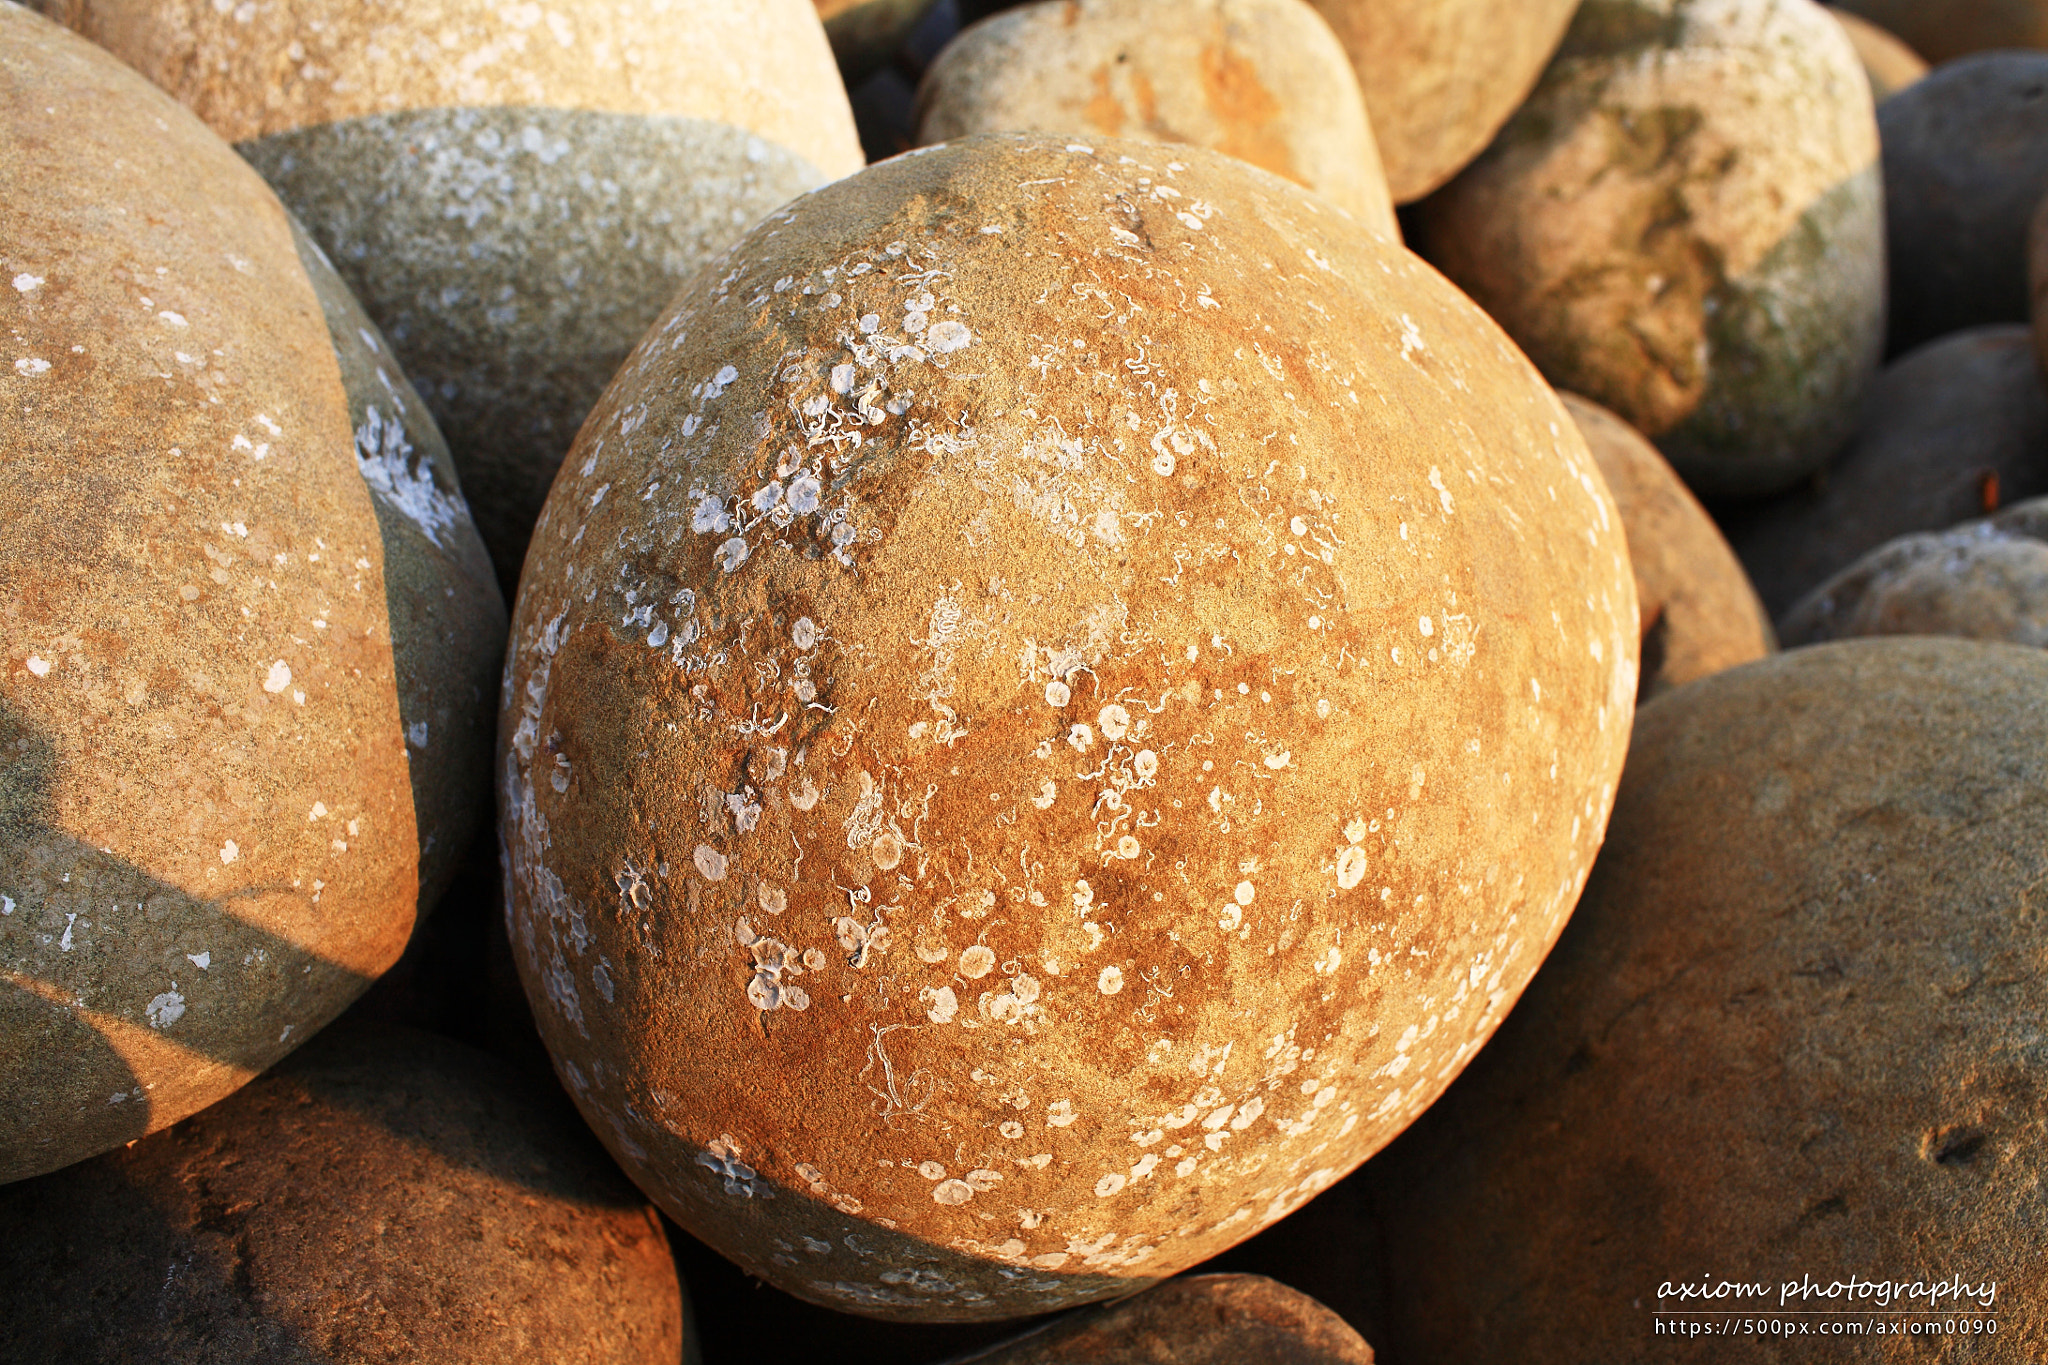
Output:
(207, 842)
(1965, 164)
(1440, 77)
(1685, 224)
(1984, 580)
(1952, 431)
(1793, 1029)
(382, 1196)
(447, 618)
(1942, 30)
(513, 192)
(1059, 696)
(1888, 62)
(1199, 1320)
(1699, 613)
(1264, 81)
(865, 33)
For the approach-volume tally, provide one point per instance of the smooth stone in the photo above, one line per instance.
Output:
(1890, 64)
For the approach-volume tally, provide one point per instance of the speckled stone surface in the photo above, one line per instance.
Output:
(1949, 432)
(1441, 76)
(1887, 61)
(1942, 30)
(1983, 580)
(1965, 162)
(1794, 1029)
(1698, 611)
(1199, 1320)
(1261, 80)
(207, 841)
(514, 193)
(386, 1195)
(447, 618)
(1056, 701)
(1685, 223)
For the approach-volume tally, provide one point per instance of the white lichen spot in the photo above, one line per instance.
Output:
(39, 666)
(731, 554)
(166, 1009)
(278, 678)
(27, 283)
(1060, 1114)
(29, 366)
(1110, 981)
(710, 517)
(200, 960)
(1436, 481)
(952, 1192)
(230, 851)
(948, 336)
(710, 863)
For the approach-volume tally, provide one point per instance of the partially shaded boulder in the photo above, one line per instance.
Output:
(383, 1196)
(1196, 1320)
(1685, 224)
(1943, 30)
(1792, 1033)
(1889, 62)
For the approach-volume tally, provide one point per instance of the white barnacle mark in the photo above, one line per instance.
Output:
(171, 318)
(710, 517)
(39, 666)
(1145, 764)
(1080, 736)
(767, 496)
(804, 634)
(803, 495)
(931, 1170)
(1426, 627)
(1278, 761)
(1011, 1129)
(723, 1161)
(887, 849)
(27, 283)
(1058, 693)
(804, 795)
(1060, 1114)
(1350, 867)
(772, 899)
(1162, 463)
(166, 1009)
(1127, 847)
(416, 734)
(1048, 792)
(230, 851)
(948, 336)
(1231, 917)
(278, 678)
(1084, 896)
(710, 863)
(952, 1192)
(731, 554)
(385, 459)
(941, 1004)
(6, 905)
(842, 377)
(718, 382)
(1115, 721)
(1443, 494)
(977, 961)
(1114, 1182)
(29, 366)
(1245, 893)
(1110, 981)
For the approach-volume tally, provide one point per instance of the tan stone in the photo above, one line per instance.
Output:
(1685, 224)
(1198, 1320)
(1264, 81)
(1890, 64)
(1442, 76)
(207, 841)
(1793, 1030)
(513, 192)
(1983, 580)
(1699, 613)
(1942, 30)
(384, 1195)
(1054, 705)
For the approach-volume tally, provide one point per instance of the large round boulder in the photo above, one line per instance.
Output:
(1192, 1320)
(1685, 223)
(1699, 613)
(382, 1196)
(1792, 1038)
(513, 192)
(1261, 80)
(1441, 76)
(1058, 698)
(208, 844)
